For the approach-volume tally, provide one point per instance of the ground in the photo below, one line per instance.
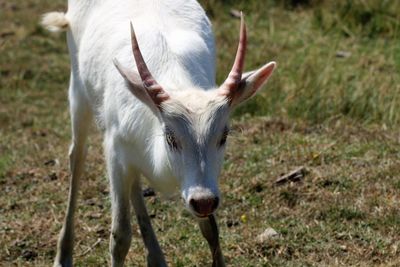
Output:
(332, 107)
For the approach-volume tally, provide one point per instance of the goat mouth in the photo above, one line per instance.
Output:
(201, 216)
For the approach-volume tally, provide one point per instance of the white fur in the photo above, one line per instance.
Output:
(55, 21)
(177, 43)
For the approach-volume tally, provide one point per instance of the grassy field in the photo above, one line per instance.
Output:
(332, 106)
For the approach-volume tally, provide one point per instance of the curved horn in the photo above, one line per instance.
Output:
(234, 77)
(155, 90)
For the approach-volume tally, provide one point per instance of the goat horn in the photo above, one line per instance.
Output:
(155, 90)
(231, 83)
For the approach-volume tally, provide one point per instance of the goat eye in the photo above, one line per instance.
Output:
(171, 141)
(223, 138)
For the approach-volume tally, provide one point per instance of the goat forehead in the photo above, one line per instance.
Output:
(198, 101)
(197, 111)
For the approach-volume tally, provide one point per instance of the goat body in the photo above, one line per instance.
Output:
(160, 110)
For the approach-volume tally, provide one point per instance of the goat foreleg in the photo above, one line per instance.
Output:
(209, 229)
(155, 257)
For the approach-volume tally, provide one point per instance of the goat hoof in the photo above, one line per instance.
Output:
(62, 263)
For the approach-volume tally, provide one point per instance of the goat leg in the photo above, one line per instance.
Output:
(209, 230)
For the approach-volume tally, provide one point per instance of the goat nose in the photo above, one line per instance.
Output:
(204, 206)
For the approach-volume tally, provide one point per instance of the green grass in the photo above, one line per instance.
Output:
(312, 82)
(337, 116)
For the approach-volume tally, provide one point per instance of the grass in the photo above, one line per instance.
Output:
(313, 81)
(332, 107)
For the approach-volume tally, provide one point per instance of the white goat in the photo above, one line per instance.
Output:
(162, 117)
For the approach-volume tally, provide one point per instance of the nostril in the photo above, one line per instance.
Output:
(192, 203)
(215, 203)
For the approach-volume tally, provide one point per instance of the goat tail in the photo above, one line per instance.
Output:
(55, 21)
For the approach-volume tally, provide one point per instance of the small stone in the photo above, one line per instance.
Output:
(268, 234)
(343, 54)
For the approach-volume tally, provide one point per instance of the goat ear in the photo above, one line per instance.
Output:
(250, 83)
(135, 86)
